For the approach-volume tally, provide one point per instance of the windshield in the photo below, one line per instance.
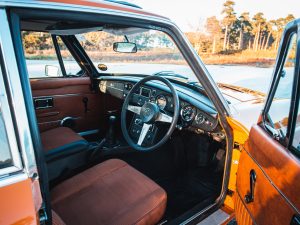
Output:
(155, 53)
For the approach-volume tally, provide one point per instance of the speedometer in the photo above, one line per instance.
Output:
(200, 118)
(188, 113)
(161, 101)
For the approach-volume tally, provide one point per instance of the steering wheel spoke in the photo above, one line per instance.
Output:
(143, 133)
(149, 113)
(134, 109)
(162, 117)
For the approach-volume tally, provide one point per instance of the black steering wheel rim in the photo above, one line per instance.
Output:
(172, 124)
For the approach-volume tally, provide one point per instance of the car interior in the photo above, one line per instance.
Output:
(121, 148)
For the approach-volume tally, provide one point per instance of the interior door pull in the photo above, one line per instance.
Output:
(249, 197)
(85, 101)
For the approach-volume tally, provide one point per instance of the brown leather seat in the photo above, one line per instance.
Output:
(109, 193)
(61, 142)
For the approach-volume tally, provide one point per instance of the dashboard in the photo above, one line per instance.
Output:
(197, 113)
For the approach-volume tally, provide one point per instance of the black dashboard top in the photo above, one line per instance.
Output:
(196, 110)
(187, 94)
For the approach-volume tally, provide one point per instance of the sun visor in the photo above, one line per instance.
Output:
(75, 31)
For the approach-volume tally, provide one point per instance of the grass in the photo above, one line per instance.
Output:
(247, 57)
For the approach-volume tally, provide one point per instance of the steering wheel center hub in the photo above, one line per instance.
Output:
(149, 112)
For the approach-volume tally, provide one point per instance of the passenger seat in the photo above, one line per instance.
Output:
(61, 142)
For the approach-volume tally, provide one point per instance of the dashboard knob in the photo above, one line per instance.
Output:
(138, 121)
(179, 127)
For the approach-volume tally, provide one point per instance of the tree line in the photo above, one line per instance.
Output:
(232, 34)
(239, 32)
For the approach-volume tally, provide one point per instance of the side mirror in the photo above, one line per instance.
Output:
(125, 47)
(52, 71)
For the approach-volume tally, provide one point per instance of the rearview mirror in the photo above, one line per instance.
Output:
(52, 71)
(125, 47)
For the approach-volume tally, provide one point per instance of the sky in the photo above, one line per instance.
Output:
(190, 14)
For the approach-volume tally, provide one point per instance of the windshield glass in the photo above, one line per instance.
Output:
(155, 53)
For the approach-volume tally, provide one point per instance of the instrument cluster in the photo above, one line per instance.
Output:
(191, 117)
(189, 114)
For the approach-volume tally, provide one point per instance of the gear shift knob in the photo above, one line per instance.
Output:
(112, 120)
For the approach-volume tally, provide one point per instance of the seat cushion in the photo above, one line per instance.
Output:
(109, 193)
(62, 141)
(56, 220)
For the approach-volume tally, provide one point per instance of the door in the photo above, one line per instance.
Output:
(268, 177)
(62, 92)
(20, 194)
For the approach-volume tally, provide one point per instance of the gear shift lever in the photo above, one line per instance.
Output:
(111, 136)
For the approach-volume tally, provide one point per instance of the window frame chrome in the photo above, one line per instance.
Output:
(15, 117)
(8, 124)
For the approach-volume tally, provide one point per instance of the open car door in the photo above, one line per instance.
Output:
(268, 177)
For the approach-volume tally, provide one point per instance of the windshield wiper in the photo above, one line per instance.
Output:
(170, 74)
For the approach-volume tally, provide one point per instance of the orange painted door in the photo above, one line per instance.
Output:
(20, 194)
(268, 176)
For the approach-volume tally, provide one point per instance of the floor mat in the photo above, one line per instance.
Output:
(189, 189)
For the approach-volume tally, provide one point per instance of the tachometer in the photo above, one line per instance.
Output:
(188, 113)
(161, 101)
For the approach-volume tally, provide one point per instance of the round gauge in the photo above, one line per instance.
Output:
(188, 113)
(200, 118)
(161, 101)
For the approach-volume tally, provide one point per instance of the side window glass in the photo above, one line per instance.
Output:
(280, 107)
(9, 155)
(40, 54)
(5, 154)
(296, 138)
(70, 64)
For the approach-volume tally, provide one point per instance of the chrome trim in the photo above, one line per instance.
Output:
(66, 119)
(12, 179)
(6, 113)
(17, 98)
(37, 99)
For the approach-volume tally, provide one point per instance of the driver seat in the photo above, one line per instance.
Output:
(111, 192)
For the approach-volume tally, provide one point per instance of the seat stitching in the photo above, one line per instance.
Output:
(87, 185)
(151, 210)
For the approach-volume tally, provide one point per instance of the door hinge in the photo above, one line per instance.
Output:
(43, 216)
(276, 135)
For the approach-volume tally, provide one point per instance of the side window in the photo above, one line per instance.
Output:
(70, 64)
(9, 154)
(41, 57)
(5, 155)
(296, 138)
(278, 114)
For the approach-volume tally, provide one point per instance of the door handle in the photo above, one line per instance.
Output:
(249, 197)
(295, 220)
(85, 101)
(43, 103)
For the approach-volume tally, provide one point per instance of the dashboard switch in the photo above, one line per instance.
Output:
(138, 121)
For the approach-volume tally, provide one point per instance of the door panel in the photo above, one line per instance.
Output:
(69, 100)
(275, 200)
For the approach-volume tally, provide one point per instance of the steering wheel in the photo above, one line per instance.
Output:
(149, 114)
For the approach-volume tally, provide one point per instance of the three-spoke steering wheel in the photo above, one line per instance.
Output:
(149, 114)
